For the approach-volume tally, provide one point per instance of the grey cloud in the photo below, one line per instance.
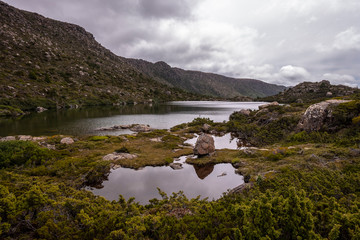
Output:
(236, 38)
(164, 9)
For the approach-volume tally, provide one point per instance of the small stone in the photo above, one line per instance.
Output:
(25, 138)
(40, 109)
(67, 140)
(38, 139)
(155, 139)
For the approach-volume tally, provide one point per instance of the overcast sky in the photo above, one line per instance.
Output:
(283, 42)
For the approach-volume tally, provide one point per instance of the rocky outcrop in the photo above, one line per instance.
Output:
(317, 114)
(204, 145)
(312, 92)
(132, 127)
(141, 128)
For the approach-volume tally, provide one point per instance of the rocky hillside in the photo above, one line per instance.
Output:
(48, 63)
(53, 64)
(206, 83)
(312, 92)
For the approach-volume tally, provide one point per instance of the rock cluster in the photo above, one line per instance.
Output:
(132, 127)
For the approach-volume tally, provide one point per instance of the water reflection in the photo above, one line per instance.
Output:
(203, 171)
(194, 181)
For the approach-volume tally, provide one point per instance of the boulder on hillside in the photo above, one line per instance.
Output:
(245, 112)
(316, 115)
(204, 145)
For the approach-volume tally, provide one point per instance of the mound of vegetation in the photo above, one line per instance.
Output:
(311, 92)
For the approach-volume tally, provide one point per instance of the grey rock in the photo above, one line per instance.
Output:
(25, 138)
(316, 114)
(204, 145)
(141, 128)
(245, 112)
(67, 140)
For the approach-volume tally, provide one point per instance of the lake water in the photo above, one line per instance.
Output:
(209, 181)
(85, 121)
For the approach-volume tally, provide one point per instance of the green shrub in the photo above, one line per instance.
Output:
(21, 152)
(201, 121)
(311, 137)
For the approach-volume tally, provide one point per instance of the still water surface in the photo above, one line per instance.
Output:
(207, 181)
(204, 181)
(85, 121)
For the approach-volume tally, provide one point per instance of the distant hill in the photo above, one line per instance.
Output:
(312, 92)
(48, 63)
(206, 83)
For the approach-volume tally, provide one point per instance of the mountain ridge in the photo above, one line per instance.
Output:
(53, 64)
(216, 84)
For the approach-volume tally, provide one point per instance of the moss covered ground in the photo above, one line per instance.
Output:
(303, 186)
